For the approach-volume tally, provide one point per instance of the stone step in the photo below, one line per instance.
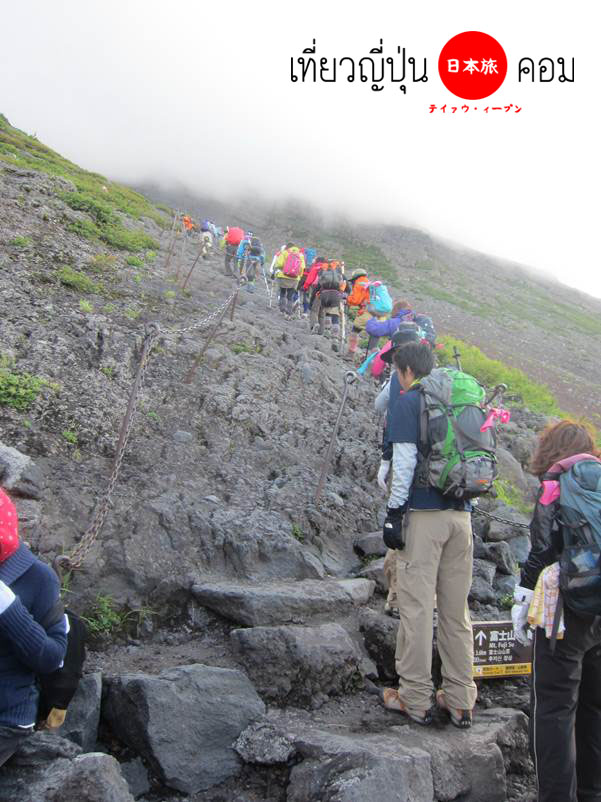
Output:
(282, 602)
(406, 762)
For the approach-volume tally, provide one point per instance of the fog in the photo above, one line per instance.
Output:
(200, 93)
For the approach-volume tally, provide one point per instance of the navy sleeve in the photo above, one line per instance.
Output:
(403, 416)
(39, 650)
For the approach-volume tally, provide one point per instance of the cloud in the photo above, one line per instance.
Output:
(201, 94)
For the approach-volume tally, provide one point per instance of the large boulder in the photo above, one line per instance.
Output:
(371, 544)
(299, 665)
(183, 721)
(283, 602)
(48, 768)
(83, 713)
(511, 470)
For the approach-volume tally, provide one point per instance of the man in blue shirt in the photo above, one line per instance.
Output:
(433, 538)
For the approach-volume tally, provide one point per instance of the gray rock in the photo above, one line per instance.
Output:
(502, 556)
(374, 571)
(379, 633)
(505, 531)
(56, 772)
(183, 721)
(19, 474)
(504, 585)
(299, 665)
(265, 605)
(136, 776)
(484, 569)
(358, 768)
(511, 470)
(520, 548)
(265, 744)
(183, 437)
(480, 548)
(482, 591)
(83, 713)
(370, 545)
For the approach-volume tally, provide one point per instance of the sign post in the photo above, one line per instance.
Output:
(497, 653)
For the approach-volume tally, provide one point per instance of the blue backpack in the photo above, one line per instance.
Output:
(580, 519)
(310, 254)
(380, 302)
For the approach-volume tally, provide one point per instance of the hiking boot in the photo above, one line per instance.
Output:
(392, 701)
(462, 719)
(390, 610)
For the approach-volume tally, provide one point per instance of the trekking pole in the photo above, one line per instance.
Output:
(342, 329)
(457, 358)
(266, 284)
(498, 391)
(350, 377)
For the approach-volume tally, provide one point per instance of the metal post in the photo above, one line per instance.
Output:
(241, 282)
(350, 377)
(181, 255)
(171, 249)
(190, 374)
(185, 284)
(457, 357)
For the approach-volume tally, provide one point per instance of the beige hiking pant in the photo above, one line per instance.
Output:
(389, 569)
(437, 559)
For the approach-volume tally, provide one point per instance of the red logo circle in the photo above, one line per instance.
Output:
(472, 65)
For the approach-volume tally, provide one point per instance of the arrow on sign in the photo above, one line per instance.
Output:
(480, 637)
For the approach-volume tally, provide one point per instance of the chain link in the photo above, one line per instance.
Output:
(478, 511)
(80, 552)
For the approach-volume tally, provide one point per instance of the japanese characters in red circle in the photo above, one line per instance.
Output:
(472, 65)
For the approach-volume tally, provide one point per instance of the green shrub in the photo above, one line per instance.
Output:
(77, 281)
(134, 261)
(120, 237)
(490, 372)
(18, 390)
(297, 533)
(150, 256)
(70, 436)
(245, 348)
(85, 202)
(102, 262)
(85, 307)
(84, 228)
(170, 294)
(20, 242)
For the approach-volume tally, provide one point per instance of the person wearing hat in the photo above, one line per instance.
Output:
(359, 298)
(405, 333)
(29, 590)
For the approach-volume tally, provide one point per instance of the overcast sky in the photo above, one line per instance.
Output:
(201, 92)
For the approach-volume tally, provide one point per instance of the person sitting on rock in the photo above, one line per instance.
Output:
(565, 718)
(432, 535)
(29, 590)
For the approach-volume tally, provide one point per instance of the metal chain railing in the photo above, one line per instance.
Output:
(478, 511)
(70, 562)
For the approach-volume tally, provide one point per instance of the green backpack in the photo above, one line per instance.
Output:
(456, 457)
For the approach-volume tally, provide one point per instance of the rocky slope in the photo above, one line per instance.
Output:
(236, 619)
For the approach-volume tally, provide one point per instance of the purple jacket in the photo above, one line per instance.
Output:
(386, 328)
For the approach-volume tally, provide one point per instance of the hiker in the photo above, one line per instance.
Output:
(231, 240)
(305, 294)
(29, 590)
(376, 329)
(250, 253)
(406, 333)
(432, 534)
(326, 301)
(565, 719)
(289, 267)
(359, 298)
(206, 241)
(427, 327)
(189, 226)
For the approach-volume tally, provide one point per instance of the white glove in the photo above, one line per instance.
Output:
(383, 474)
(519, 614)
(7, 597)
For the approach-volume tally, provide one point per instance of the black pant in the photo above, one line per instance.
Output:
(565, 721)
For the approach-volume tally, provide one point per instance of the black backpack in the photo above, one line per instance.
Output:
(330, 278)
(426, 325)
(58, 688)
(255, 246)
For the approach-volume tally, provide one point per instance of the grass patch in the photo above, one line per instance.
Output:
(134, 261)
(102, 262)
(170, 295)
(297, 533)
(77, 281)
(105, 619)
(511, 495)
(85, 307)
(150, 256)
(20, 242)
(18, 390)
(490, 372)
(70, 436)
(245, 348)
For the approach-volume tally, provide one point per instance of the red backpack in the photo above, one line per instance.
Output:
(234, 236)
(293, 266)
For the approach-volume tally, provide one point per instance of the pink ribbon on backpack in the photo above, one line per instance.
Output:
(502, 415)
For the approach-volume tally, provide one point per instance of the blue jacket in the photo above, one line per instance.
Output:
(26, 649)
(386, 328)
